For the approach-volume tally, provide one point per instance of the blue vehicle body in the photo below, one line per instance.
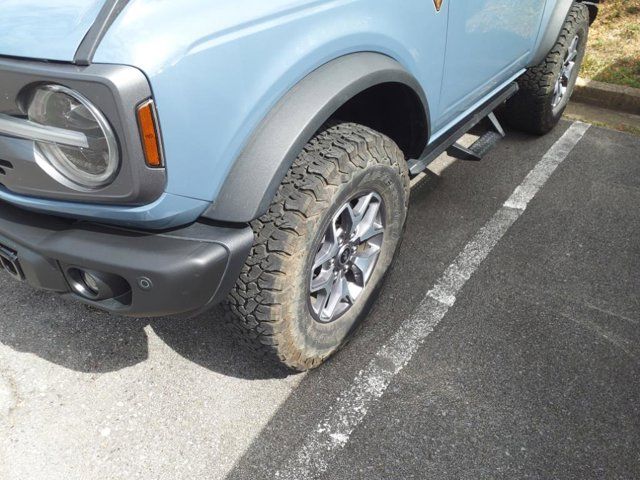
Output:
(49, 30)
(219, 70)
(254, 52)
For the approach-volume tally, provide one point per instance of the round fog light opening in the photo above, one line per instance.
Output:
(91, 283)
(83, 283)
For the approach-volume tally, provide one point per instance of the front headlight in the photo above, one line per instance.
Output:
(89, 167)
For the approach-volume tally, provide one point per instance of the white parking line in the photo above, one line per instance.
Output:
(352, 405)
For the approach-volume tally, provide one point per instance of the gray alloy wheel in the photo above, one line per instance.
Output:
(347, 256)
(322, 250)
(566, 77)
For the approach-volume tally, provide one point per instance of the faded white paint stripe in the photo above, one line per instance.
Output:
(541, 173)
(351, 407)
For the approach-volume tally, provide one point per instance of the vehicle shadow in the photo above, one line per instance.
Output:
(84, 339)
(206, 341)
(66, 333)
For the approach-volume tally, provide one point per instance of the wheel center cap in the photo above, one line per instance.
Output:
(345, 255)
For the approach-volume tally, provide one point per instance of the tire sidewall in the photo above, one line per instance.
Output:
(582, 31)
(321, 339)
(531, 109)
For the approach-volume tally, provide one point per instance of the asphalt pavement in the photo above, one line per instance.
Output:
(531, 371)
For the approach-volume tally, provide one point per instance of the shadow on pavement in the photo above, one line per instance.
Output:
(206, 341)
(66, 333)
(87, 340)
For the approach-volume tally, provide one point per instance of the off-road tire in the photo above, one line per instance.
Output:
(531, 109)
(268, 308)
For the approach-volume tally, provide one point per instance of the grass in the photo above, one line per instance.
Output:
(613, 55)
(620, 127)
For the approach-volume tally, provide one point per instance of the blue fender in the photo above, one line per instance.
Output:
(217, 71)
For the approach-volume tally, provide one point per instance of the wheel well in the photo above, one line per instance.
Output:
(393, 109)
(593, 6)
(365, 87)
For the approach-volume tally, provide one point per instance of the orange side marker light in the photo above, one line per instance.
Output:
(149, 134)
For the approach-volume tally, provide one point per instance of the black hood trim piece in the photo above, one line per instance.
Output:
(91, 41)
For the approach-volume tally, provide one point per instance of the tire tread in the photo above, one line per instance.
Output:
(530, 110)
(328, 161)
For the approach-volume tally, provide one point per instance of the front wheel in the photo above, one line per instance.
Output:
(545, 90)
(323, 248)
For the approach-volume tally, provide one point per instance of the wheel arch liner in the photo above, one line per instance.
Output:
(257, 173)
(594, 8)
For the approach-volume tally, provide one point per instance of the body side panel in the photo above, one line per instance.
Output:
(488, 41)
(217, 72)
(218, 68)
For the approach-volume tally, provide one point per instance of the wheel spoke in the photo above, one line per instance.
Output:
(335, 297)
(557, 92)
(570, 62)
(323, 282)
(347, 256)
(363, 264)
(370, 226)
(329, 248)
(350, 220)
(568, 71)
(573, 49)
(353, 217)
(572, 54)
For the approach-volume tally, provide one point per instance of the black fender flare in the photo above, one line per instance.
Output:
(552, 32)
(554, 27)
(257, 173)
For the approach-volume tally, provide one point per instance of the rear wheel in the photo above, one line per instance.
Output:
(545, 90)
(323, 248)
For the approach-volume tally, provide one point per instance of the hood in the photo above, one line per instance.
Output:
(45, 29)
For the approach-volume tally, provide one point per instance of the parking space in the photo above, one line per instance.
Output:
(530, 371)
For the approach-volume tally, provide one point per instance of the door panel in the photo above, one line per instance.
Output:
(487, 42)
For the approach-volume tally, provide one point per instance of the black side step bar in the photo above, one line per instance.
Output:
(447, 142)
(482, 146)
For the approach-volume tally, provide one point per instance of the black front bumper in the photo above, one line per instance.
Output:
(176, 272)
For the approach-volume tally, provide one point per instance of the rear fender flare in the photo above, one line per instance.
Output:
(550, 35)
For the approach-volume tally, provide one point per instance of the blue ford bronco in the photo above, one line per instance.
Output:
(161, 157)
